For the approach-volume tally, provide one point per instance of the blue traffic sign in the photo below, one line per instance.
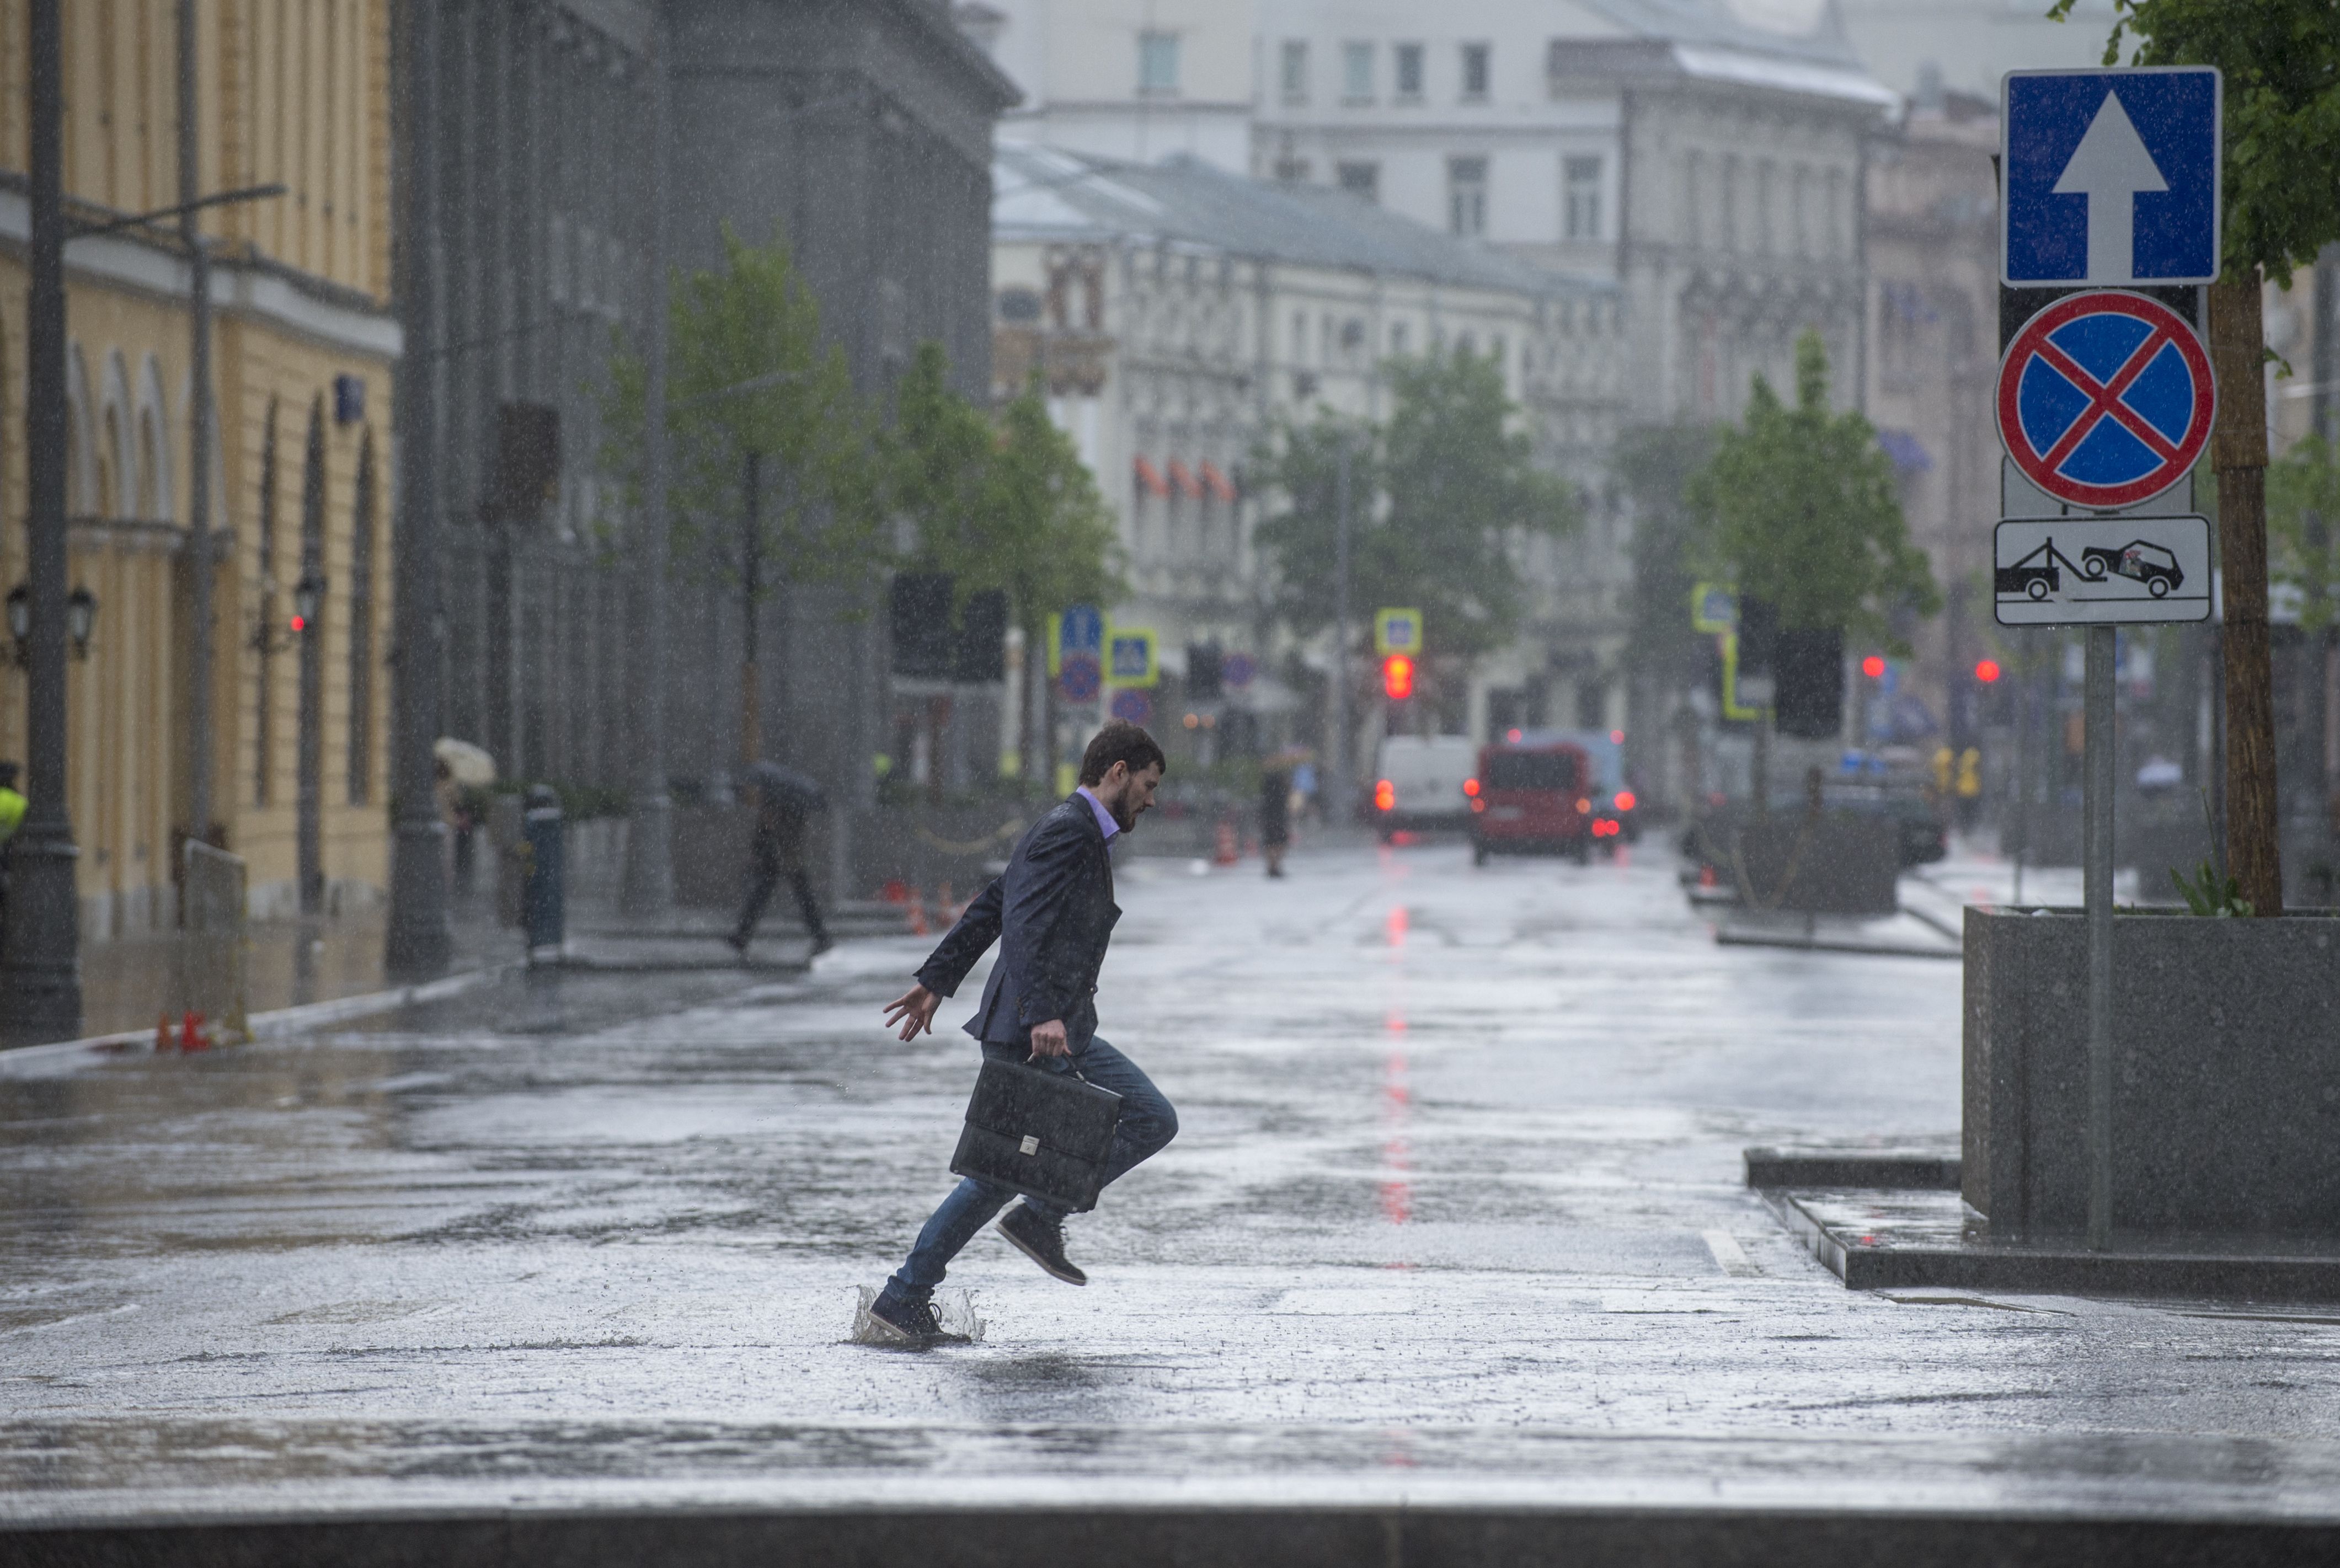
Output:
(1080, 629)
(2106, 399)
(2111, 177)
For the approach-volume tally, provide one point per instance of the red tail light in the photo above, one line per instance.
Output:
(1385, 795)
(1624, 800)
(1471, 787)
(1584, 805)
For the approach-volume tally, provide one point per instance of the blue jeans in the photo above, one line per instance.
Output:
(1147, 1124)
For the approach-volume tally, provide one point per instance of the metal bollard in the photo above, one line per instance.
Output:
(543, 900)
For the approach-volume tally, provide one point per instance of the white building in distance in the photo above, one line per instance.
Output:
(1135, 80)
(1711, 166)
(1176, 310)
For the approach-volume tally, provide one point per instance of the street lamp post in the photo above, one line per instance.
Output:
(40, 945)
(1337, 796)
(648, 885)
(418, 941)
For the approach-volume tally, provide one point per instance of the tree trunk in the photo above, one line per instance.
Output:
(2239, 453)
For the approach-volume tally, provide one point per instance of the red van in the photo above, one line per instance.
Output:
(1531, 797)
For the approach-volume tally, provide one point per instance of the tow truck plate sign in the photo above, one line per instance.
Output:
(2101, 571)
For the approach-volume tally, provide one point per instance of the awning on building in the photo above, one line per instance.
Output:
(1216, 483)
(1150, 478)
(1182, 480)
(1908, 453)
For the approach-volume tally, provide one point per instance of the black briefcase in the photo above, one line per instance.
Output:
(1045, 1135)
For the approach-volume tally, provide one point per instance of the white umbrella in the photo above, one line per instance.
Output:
(467, 764)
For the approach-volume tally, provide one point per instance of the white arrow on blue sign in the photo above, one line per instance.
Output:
(2111, 177)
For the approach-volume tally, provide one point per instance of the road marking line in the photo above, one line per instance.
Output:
(1729, 1255)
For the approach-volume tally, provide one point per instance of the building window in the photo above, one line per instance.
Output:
(1398, 345)
(1555, 66)
(1295, 71)
(1357, 73)
(1292, 170)
(1475, 73)
(1299, 337)
(1466, 196)
(1157, 61)
(1362, 180)
(1581, 182)
(1409, 72)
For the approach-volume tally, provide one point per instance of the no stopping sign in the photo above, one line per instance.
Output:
(2106, 399)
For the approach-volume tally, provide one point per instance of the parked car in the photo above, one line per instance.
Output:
(1419, 783)
(2140, 560)
(1531, 796)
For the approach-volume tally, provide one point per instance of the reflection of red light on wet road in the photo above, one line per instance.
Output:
(1397, 1098)
(1396, 926)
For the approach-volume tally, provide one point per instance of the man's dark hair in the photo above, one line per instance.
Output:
(1120, 741)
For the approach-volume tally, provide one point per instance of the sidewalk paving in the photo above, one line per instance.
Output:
(1457, 1220)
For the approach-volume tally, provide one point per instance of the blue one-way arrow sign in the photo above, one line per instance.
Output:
(2111, 177)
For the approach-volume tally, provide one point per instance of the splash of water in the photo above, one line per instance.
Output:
(954, 1310)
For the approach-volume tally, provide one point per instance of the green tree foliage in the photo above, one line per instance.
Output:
(750, 382)
(2303, 527)
(1440, 498)
(2281, 62)
(1799, 507)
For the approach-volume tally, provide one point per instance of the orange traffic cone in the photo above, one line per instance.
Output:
(191, 1032)
(162, 1033)
(917, 914)
(1224, 852)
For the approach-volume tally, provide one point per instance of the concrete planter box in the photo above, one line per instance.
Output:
(1841, 864)
(2226, 1075)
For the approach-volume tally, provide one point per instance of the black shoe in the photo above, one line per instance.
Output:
(820, 945)
(914, 1321)
(736, 943)
(1042, 1240)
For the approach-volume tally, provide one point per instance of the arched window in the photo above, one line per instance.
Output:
(150, 465)
(109, 464)
(361, 630)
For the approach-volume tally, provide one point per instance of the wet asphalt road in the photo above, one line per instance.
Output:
(1456, 1214)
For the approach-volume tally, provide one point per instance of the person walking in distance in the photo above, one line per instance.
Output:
(785, 798)
(1275, 812)
(1052, 911)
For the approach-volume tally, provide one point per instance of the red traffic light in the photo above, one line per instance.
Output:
(299, 623)
(1986, 670)
(1873, 666)
(1397, 676)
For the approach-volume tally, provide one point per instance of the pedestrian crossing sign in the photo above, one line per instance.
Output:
(1397, 631)
(1130, 659)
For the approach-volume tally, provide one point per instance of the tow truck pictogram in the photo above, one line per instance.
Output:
(2038, 574)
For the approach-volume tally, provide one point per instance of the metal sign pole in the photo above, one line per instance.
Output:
(2097, 861)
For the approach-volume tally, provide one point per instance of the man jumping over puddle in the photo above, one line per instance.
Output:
(1052, 912)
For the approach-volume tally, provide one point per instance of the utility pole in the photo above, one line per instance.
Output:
(40, 956)
(649, 887)
(418, 941)
(199, 440)
(1337, 797)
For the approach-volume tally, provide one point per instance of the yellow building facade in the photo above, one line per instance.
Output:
(293, 92)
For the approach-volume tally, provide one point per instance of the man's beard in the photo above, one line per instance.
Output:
(1122, 817)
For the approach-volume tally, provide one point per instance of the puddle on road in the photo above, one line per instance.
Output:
(954, 1310)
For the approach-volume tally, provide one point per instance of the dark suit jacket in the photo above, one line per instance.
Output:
(1052, 912)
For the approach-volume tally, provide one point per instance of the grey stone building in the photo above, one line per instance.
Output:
(859, 130)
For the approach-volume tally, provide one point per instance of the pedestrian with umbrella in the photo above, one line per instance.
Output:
(785, 800)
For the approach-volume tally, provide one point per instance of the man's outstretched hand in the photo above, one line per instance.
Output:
(912, 1013)
(1048, 1039)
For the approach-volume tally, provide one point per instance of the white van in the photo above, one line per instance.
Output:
(1419, 782)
